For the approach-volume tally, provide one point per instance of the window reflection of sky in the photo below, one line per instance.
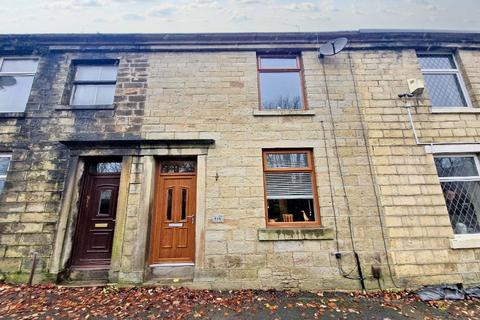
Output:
(281, 90)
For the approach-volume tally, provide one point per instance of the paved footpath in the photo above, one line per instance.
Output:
(52, 302)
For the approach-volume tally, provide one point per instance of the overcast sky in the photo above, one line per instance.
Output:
(153, 16)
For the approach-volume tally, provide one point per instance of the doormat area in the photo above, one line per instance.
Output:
(110, 302)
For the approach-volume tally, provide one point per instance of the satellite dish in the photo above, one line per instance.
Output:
(332, 47)
(7, 81)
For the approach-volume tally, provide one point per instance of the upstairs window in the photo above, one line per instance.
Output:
(443, 80)
(280, 82)
(290, 188)
(4, 164)
(94, 84)
(460, 181)
(16, 78)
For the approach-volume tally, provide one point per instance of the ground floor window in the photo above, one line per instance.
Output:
(460, 181)
(4, 164)
(290, 188)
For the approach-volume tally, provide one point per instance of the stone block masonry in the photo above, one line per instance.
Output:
(378, 190)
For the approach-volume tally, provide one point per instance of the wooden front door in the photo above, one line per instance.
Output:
(96, 218)
(173, 225)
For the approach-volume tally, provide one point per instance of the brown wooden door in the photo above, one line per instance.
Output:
(96, 220)
(173, 227)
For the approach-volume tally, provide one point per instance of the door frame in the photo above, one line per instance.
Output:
(84, 188)
(156, 206)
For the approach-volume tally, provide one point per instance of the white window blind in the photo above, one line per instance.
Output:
(289, 185)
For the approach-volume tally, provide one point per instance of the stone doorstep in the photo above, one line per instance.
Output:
(88, 274)
(171, 272)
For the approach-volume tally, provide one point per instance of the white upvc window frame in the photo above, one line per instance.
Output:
(455, 72)
(13, 74)
(4, 176)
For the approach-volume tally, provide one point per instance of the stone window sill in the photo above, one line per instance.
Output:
(455, 110)
(260, 113)
(12, 114)
(286, 234)
(86, 107)
(465, 241)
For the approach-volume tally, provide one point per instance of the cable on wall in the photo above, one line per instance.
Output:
(360, 277)
(370, 167)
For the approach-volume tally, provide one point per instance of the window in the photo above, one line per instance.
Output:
(443, 80)
(16, 78)
(290, 188)
(94, 84)
(4, 164)
(280, 82)
(460, 183)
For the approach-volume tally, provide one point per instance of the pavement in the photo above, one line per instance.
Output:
(110, 302)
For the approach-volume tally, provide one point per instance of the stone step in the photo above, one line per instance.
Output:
(88, 275)
(83, 284)
(172, 272)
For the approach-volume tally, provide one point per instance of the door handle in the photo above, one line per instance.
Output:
(192, 218)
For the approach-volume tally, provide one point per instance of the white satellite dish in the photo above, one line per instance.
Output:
(332, 47)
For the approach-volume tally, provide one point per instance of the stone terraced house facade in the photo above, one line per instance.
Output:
(241, 160)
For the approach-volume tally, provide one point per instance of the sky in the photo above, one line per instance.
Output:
(182, 16)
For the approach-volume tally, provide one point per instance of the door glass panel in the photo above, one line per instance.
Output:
(105, 199)
(108, 167)
(178, 166)
(184, 204)
(169, 203)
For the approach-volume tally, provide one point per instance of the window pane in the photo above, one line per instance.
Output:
(105, 199)
(290, 210)
(281, 90)
(19, 65)
(289, 185)
(463, 202)
(436, 62)
(4, 163)
(96, 73)
(178, 166)
(456, 166)
(278, 63)
(108, 167)
(444, 90)
(287, 160)
(93, 94)
(105, 94)
(184, 204)
(169, 204)
(14, 93)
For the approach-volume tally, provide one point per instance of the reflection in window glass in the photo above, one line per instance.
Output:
(169, 203)
(108, 167)
(443, 80)
(435, 61)
(96, 73)
(14, 92)
(281, 90)
(4, 164)
(184, 204)
(278, 63)
(287, 160)
(105, 200)
(445, 90)
(456, 166)
(93, 94)
(178, 166)
(19, 65)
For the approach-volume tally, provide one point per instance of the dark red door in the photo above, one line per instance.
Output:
(96, 220)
